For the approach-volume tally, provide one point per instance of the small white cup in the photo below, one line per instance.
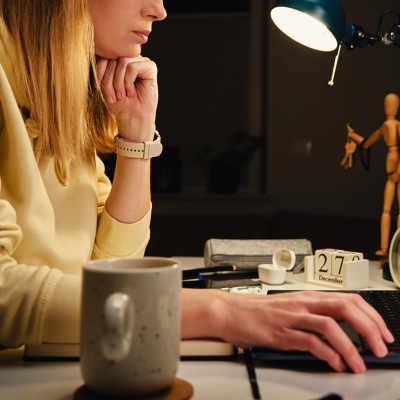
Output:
(130, 325)
(271, 274)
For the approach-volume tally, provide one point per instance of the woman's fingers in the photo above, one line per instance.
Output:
(376, 317)
(101, 65)
(327, 341)
(361, 316)
(107, 81)
(125, 76)
(309, 321)
(348, 306)
(324, 312)
(129, 86)
(306, 340)
(121, 78)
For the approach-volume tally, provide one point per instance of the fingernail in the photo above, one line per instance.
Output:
(119, 95)
(342, 367)
(389, 336)
(359, 367)
(381, 350)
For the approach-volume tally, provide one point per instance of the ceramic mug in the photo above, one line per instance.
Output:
(130, 325)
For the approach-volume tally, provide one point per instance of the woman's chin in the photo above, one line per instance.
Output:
(114, 54)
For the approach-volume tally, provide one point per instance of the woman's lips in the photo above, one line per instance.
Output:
(143, 35)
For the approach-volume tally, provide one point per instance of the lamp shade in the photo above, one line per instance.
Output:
(318, 24)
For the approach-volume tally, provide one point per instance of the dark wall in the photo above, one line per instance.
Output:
(303, 108)
(204, 77)
(203, 81)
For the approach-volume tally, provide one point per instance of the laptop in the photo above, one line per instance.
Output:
(386, 302)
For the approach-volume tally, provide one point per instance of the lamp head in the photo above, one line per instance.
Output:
(318, 24)
(321, 25)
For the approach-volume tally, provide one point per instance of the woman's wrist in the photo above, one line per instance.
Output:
(204, 314)
(137, 130)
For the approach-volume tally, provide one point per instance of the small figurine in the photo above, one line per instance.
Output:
(390, 131)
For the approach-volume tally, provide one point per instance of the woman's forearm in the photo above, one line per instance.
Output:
(129, 199)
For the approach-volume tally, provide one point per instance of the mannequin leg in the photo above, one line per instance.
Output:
(385, 217)
(385, 229)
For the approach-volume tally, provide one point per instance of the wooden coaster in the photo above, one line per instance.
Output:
(179, 390)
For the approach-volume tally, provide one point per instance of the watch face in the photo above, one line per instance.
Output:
(394, 258)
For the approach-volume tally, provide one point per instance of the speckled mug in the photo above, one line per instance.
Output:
(130, 325)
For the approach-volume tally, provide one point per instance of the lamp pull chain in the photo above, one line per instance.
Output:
(331, 83)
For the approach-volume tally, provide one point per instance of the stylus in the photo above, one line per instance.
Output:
(251, 372)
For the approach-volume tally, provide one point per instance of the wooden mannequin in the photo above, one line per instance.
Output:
(390, 131)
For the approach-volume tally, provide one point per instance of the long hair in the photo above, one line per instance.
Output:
(53, 41)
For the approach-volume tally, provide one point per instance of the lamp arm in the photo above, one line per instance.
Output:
(356, 36)
(392, 36)
(386, 12)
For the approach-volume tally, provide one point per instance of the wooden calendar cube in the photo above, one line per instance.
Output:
(339, 257)
(323, 261)
(337, 268)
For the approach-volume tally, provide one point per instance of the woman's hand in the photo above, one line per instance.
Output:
(129, 86)
(304, 321)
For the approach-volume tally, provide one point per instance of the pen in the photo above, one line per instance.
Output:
(203, 279)
(194, 272)
(253, 273)
(251, 372)
(331, 396)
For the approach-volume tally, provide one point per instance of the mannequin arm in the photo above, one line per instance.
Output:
(353, 140)
(353, 136)
(373, 138)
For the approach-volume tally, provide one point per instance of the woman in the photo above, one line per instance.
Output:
(72, 77)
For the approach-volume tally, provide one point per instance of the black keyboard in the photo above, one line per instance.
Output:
(387, 303)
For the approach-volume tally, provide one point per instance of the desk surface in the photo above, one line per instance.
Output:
(211, 379)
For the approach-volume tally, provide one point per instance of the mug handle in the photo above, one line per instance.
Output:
(117, 326)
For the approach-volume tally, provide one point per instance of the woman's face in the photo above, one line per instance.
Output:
(121, 27)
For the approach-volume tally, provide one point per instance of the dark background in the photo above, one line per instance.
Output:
(229, 92)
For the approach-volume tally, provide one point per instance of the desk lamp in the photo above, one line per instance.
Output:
(321, 25)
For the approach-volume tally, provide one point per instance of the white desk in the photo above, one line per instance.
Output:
(218, 380)
(296, 281)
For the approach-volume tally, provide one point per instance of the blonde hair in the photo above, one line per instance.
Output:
(53, 41)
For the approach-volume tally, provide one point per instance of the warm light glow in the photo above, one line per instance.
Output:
(303, 29)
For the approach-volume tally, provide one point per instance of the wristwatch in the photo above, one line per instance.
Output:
(144, 150)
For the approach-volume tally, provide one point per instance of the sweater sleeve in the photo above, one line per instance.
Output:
(39, 300)
(40, 303)
(32, 315)
(113, 238)
(33, 298)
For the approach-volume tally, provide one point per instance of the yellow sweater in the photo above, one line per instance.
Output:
(47, 231)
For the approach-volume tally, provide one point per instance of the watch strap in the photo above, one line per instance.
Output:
(144, 150)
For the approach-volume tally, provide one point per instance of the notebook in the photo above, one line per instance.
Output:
(196, 349)
(386, 302)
